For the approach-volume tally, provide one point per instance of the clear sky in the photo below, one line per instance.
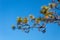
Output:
(10, 9)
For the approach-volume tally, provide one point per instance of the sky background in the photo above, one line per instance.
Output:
(10, 9)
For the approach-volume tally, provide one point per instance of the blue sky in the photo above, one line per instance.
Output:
(10, 9)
